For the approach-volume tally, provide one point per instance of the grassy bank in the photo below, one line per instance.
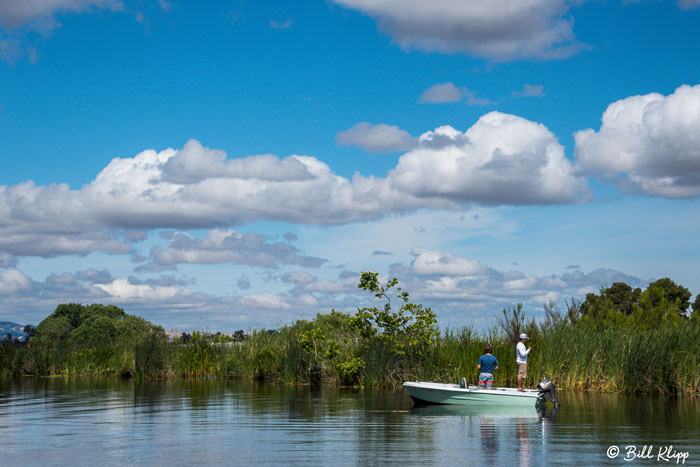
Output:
(593, 346)
(663, 360)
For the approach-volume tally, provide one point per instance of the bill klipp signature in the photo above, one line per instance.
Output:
(660, 454)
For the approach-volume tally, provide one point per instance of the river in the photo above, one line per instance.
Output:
(56, 421)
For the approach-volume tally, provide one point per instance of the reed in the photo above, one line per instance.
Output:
(327, 349)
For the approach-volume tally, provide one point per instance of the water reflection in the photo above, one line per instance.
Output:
(107, 422)
(523, 442)
(504, 433)
(489, 439)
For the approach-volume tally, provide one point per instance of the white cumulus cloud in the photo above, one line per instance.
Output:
(124, 291)
(53, 220)
(442, 92)
(131, 195)
(448, 92)
(229, 246)
(499, 29)
(13, 281)
(376, 138)
(502, 159)
(431, 262)
(194, 163)
(649, 142)
(264, 301)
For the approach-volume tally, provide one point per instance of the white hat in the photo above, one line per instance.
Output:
(523, 336)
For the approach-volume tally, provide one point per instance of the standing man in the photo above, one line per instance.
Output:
(487, 365)
(521, 359)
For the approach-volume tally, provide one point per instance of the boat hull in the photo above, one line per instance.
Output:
(453, 394)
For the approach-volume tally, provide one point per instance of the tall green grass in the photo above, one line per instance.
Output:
(327, 350)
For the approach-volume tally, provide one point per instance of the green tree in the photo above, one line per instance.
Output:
(621, 305)
(132, 328)
(95, 331)
(95, 325)
(596, 310)
(618, 299)
(54, 328)
(110, 311)
(405, 330)
(675, 294)
(622, 297)
(655, 308)
(73, 312)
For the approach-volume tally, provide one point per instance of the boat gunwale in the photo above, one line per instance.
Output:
(508, 392)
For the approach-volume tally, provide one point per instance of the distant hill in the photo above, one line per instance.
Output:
(13, 328)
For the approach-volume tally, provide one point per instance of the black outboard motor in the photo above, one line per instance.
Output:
(546, 393)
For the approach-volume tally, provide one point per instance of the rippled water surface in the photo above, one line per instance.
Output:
(88, 422)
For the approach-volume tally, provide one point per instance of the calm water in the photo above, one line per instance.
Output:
(85, 422)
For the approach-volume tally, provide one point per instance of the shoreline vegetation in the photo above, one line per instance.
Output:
(620, 340)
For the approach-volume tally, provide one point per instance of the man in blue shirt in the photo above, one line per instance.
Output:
(487, 365)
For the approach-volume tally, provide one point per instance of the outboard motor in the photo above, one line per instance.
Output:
(546, 393)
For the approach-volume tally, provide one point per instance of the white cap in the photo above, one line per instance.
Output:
(523, 336)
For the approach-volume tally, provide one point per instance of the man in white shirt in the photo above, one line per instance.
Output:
(521, 359)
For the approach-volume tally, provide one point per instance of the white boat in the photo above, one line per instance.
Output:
(439, 393)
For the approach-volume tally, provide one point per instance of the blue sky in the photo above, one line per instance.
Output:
(227, 165)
